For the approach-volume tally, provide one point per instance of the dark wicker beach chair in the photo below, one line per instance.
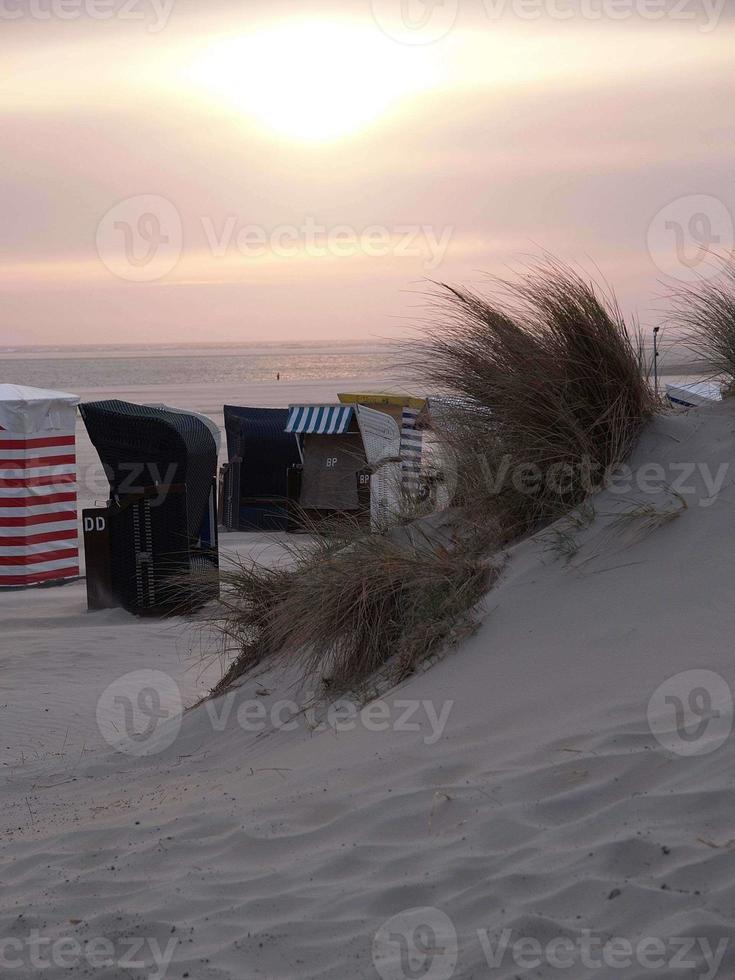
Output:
(161, 515)
(260, 455)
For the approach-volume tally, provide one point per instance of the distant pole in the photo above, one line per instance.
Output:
(655, 359)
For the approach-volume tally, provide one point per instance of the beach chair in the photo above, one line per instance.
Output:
(404, 409)
(38, 487)
(159, 530)
(255, 479)
(333, 457)
(351, 463)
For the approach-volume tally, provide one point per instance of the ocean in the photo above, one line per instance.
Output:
(119, 367)
(198, 377)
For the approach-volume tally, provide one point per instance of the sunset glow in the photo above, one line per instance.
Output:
(251, 124)
(310, 81)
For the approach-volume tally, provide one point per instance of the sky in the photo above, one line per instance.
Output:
(175, 170)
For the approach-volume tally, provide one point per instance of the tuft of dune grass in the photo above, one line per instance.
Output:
(706, 311)
(348, 606)
(545, 379)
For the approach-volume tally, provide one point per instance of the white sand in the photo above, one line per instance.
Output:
(547, 806)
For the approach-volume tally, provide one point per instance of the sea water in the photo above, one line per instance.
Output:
(115, 367)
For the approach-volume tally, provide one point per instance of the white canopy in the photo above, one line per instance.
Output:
(27, 410)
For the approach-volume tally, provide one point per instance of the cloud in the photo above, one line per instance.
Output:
(567, 136)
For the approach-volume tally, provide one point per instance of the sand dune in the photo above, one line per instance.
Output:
(557, 803)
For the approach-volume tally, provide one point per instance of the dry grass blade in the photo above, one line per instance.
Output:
(548, 383)
(706, 310)
(345, 609)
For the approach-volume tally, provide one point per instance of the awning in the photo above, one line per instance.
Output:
(319, 419)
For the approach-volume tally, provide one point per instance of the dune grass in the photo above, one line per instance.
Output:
(706, 311)
(345, 606)
(547, 392)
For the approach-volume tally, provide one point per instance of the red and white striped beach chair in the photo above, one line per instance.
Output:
(38, 486)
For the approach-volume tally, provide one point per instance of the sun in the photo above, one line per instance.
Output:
(309, 81)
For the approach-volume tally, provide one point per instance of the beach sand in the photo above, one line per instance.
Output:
(52, 625)
(557, 799)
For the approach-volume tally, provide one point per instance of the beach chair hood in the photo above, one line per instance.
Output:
(35, 410)
(158, 446)
(381, 436)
